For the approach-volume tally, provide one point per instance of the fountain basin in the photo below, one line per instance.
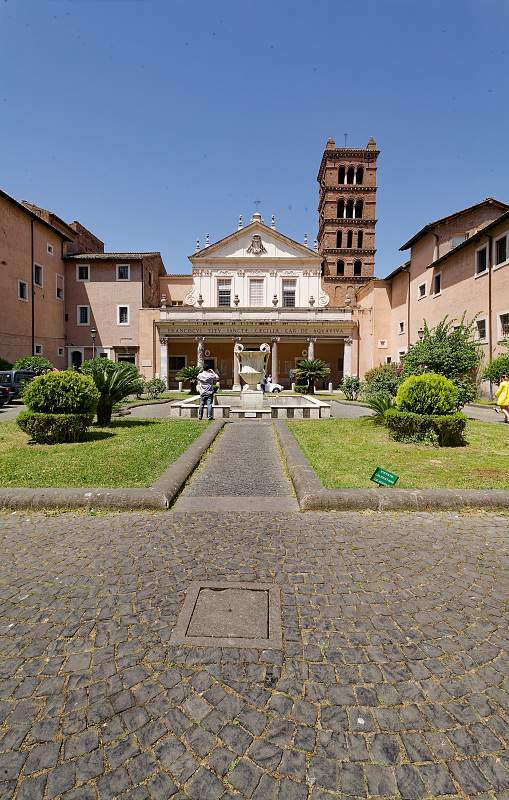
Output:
(273, 407)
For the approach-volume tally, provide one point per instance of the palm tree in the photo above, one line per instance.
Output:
(114, 382)
(189, 375)
(311, 369)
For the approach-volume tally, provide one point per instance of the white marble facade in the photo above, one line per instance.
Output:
(257, 254)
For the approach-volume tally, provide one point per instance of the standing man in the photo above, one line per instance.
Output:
(206, 380)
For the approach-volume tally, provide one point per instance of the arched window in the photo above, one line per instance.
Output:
(350, 174)
(340, 267)
(349, 209)
(359, 178)
(339, 239)
(360, 239)
(359, 207)
(341, 209)
(341, 175)
(357, 268)
(349, 239)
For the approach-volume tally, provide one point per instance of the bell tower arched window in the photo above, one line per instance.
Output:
(357, 268)
(359, 176)
(350, 175)
(341, 175)
(349, 209)
(339, 239)
(360, 239)
(349, 239)
(341, 209)
(359, 208)
(340, 267)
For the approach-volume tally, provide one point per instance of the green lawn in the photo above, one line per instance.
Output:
(345, 453)
(129, 453)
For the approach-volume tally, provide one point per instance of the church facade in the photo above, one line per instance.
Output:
(255, 285)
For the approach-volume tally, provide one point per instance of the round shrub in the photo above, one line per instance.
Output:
(37, 364)
(427, 394)
(155, 387)
(54, 428)
(66, 392)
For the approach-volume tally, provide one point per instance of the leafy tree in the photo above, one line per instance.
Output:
(449, 349)
(498, 366)
(114, 381)
(189, 375)
(309, 370)
(5, 364)
(351, 386)
(37, 364)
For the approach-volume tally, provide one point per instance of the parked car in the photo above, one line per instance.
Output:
(271, 388)
(5, 396)
(14, 379)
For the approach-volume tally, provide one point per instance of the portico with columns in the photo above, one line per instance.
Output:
(254, 286)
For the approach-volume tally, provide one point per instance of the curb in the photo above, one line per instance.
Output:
(158, 496)
(313, 496)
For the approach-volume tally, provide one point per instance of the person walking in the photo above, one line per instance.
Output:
(502, 395)
(205, 384)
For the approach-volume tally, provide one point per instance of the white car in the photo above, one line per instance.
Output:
(271, 388)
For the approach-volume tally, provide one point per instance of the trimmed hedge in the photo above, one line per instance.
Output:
(65, 392)
(447, 430)
(429, 393)
(54, 428)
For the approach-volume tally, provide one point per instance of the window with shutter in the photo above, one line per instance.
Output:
(256, 293)
(289, 290)
(224, 292)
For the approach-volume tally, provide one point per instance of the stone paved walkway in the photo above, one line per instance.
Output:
(243, 472)
(393, 680)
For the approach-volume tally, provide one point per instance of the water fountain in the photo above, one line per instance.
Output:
(252, 369)
(253, 403)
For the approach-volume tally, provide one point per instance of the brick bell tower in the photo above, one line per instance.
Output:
(347, 219)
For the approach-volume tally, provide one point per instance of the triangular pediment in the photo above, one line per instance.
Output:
(255, 241)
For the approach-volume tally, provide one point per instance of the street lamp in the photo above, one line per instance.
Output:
(420, 333)
(93, 334)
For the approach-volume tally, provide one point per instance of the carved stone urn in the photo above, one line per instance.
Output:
(252, 365)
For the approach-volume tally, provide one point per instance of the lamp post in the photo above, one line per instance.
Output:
(93, 334)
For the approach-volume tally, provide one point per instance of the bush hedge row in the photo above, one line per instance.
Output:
(448, 430)
(54, 428)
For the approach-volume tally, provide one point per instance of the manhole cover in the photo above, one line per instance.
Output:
(230, 614)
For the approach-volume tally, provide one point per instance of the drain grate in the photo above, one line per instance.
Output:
(229, 614)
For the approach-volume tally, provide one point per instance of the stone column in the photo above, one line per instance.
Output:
(311, 349)
(347, 357)
(236, 377)
(164, 359)
(200, 356)
(274, 366)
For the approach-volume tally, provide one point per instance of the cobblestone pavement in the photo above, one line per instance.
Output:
(393, 680)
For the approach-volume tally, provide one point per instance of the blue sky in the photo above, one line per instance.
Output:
(154, 123)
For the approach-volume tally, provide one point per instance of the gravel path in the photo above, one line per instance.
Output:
(392, 681)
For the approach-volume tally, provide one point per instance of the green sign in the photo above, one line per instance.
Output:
(383, 477)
